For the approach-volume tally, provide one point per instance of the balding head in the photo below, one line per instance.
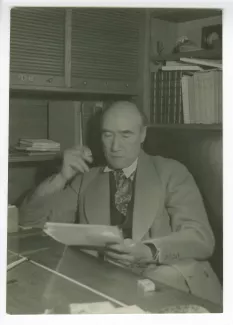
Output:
(123, 132)
(129, 107)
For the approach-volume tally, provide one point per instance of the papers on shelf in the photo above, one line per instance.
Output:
(38, 145)
(85, 236)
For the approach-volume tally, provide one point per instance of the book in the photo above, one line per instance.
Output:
(174, 63)
(37, 150)
(197, 100)
(205, 62)
(38, 141)
(185, 98)
(94, 237)
(181, 67)
(38, 144)
(192, 104)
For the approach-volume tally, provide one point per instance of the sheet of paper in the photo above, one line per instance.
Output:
(84, 236)
(134, 309)
(104, 307)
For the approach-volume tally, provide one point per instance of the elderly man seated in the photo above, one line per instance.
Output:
(154, 200)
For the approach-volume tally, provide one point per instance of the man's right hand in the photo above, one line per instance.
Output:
(75, 161)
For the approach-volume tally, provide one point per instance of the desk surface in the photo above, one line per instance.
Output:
(61, 275)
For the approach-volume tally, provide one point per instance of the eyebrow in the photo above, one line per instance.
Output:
(122, 132)
(126, 132)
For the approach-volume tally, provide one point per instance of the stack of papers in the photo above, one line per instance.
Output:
(82, 235)
(38, 145)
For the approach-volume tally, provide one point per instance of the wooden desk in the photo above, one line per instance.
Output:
(56, 276)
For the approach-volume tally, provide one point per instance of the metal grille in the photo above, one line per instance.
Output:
(37, 40)
(105, 43)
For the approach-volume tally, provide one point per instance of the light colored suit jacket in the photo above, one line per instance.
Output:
(168, 211)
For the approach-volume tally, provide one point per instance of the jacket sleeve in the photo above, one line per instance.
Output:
(60, 206)
(191, 235)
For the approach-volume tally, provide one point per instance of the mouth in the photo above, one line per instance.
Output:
(113, 156)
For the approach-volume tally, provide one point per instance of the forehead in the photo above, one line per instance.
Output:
(122, 118)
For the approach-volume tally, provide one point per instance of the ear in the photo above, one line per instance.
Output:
(143, 133)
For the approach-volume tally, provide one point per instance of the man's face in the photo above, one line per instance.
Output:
(122, 135)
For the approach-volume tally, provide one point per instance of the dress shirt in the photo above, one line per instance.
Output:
(128, 171)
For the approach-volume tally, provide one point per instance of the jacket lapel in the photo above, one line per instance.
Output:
(147, 200)
(148, 196)
(97, 200)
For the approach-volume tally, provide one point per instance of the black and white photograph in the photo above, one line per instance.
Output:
(115, 161)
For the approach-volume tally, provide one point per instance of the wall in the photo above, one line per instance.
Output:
(163, 31)
(21, 178)
(27, 118)
(193, 29)
(169, 32)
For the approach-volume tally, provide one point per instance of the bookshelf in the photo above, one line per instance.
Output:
(177, 101)
(200, 54)
(19, 158)
(211, 127)
(194, 101)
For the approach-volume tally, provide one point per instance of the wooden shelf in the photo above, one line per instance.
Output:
(200, 54)
(69, 91)
(211, 127)
(26, 158)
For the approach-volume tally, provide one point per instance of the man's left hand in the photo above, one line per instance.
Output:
(129, 252)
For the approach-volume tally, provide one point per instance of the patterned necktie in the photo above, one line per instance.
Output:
(123, 193)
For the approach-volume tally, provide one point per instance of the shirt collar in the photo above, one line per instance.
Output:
(128, 171)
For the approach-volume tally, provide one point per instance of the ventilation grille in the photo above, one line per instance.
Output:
(105, 43)
(37, 41)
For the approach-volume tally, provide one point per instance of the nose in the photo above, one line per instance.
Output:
(115, 144)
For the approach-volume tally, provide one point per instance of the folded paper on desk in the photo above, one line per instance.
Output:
(104, 307)
(84, 236)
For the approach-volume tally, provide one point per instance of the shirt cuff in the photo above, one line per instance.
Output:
(154, 251)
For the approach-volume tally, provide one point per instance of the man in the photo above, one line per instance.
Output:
(154, 200)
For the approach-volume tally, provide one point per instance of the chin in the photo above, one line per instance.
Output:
(118, 163)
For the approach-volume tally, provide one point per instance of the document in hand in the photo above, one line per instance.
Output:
(85, 236)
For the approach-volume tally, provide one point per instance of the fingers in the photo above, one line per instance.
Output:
(121, 257)
(76, 159)
(81, 155)
(118, 248)
(129, 243)
(78, 165)
(84, 152)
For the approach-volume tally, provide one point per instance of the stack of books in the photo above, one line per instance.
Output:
(187, 91)
(181, 66)
(202, 97)
(38, 146)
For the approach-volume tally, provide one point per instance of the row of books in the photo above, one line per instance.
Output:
(202, 97)
(185, 92)
(166, 101)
